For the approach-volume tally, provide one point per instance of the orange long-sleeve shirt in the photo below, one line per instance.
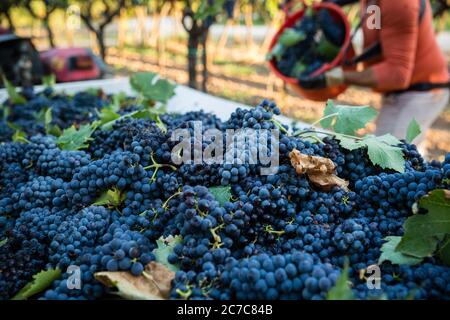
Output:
(410, 51)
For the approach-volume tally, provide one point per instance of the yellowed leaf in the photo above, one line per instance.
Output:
(304, 163)
(326, 182)
(153, 284)
(320, 171)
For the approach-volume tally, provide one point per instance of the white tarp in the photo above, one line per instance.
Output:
(185, 99)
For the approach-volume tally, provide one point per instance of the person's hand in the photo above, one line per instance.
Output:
(334, 77)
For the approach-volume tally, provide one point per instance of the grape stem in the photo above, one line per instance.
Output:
(157, 166)
(165, 204)
(315, 138)
(202, 214)
(332, 134)
(269, 229)
(323, 118)
(184, 294)
(302, 132)
(279, 125)
(217, 239)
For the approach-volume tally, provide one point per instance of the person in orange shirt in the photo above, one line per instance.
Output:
(410, 71)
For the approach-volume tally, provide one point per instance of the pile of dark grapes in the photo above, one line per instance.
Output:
(277, 237)
(311, 42)
(66, 111)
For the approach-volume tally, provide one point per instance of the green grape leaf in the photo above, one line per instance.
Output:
(349, 143)
(94, 91)
(291, 37)
(388, 139)
(6, 111)
(49, 81)
(40, 282)
(164, 249)
(14, 96)
(388, 253)
(327, 49)
(54, 130)
(444, 251)
(152, 114)
(341, 290)
(418, 246)
(208, 9)
(413, 131)
(40, 116)
(424, 232)
(117, 101)
(20, 136)
(111, 198)
(346, 119)
(298, 69)
(309, 9)
(277, 52)
(222, 194)
(48, 119)
(381, 152)
(151, 87)
(13, 126)
(155, 283)
(45, 117)
(107, 118)
(76, 139)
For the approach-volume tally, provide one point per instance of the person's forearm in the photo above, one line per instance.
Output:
(365, 78)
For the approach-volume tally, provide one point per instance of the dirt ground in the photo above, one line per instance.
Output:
(248, 83)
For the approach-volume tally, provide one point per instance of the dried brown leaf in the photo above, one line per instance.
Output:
(304, 163)
(326, 181)
(153, 284)
(320, 171)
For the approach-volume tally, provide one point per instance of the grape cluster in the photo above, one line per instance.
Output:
(137, 135)
(62, 164)
(89, 288)
(425, 281)
(290, 276)
(6, 132)
(124, 250)
(80, 108)
(20, 259)
(398, 190)
(78, 231)
(119, 169)
(257, 118)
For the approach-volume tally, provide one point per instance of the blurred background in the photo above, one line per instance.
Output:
(219, 48)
